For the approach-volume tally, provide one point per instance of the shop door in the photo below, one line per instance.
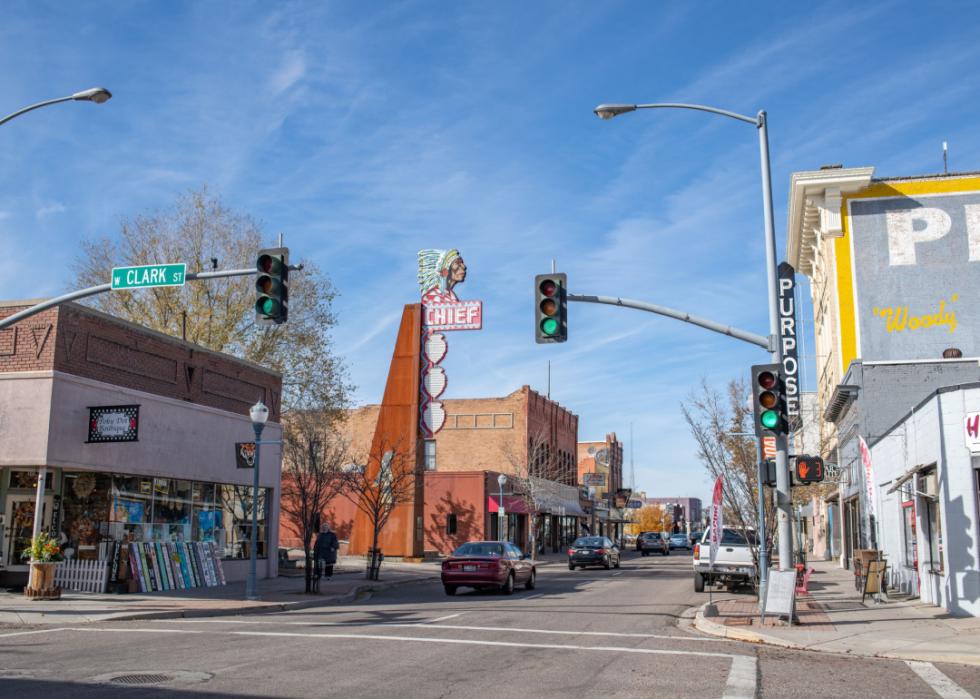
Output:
(19, 521)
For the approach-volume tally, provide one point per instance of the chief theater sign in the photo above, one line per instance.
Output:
(440, 272)
(908, 270)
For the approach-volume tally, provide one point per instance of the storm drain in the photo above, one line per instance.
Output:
(142, 678)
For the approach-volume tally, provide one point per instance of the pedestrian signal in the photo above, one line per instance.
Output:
(809, 469)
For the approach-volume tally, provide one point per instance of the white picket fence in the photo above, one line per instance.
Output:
(82, 576)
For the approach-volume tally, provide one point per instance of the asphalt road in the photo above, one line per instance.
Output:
(585, 633)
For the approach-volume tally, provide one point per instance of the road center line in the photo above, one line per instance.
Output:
(937, 680)
(540, 594)
(28, 633)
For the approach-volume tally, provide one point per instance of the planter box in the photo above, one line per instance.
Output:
(41, 585)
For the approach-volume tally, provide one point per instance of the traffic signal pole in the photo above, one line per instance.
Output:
(93, 290)
(783, 499)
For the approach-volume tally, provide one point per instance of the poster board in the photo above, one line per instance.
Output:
(781, 593)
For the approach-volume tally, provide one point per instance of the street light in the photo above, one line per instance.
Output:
(760, 121)
(94, 94)
(501, 479)
(97, 95)
(259, 414)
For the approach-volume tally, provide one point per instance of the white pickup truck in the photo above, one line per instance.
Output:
(733, 564)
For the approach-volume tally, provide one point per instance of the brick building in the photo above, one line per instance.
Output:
(600, 475)
(136, 432)
(523, 435)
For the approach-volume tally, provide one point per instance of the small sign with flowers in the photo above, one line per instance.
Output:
(113, 423)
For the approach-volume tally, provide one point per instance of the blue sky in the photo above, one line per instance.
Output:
(365, 131)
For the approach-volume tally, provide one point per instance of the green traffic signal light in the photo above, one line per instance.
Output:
(769, 419)
(549, 326)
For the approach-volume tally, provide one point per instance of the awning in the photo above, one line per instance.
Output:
(512, 504)
(552, 504)
(903, 479)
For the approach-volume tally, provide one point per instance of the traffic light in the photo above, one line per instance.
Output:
(550, 308)
(809, 469)
(768, 400)
(272, 286)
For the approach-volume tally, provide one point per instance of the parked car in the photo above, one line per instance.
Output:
(487, 565)
(593, 551)
(652, 542)
(734, 563)
(695, 538)
(679, 541)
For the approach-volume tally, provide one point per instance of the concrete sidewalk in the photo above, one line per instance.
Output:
(277, 594)
(834, 620)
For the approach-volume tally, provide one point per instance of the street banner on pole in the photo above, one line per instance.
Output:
(869, 476)
(716, 521)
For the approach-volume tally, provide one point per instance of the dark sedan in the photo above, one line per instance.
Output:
(488, 565)
(593, 551)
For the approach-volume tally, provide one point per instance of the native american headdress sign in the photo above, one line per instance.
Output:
(440, 272)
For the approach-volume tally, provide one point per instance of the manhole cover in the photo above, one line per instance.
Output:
(141, 678)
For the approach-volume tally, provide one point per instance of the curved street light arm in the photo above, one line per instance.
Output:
(35, 106)
(757, 120)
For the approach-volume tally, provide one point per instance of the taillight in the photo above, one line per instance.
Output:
(600, 551)
(697, 550)
(571, 551)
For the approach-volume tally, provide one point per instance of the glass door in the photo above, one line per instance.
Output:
(19, 518)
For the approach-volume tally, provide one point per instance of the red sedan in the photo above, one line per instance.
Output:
(488, 564)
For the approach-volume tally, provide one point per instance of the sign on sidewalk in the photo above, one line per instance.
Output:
(149, 275)
(781, 593)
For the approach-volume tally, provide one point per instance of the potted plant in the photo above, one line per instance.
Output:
(44, 555)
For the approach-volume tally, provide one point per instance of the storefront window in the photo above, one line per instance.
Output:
(101, 509)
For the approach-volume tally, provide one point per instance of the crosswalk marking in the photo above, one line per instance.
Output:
(940, 683)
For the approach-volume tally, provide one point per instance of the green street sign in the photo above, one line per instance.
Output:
(148, 275)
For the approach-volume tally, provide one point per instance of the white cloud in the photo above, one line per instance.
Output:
(50, 210)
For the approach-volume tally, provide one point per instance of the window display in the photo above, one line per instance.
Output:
(101, 509)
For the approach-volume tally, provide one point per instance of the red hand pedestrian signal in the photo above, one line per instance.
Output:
(809, 469)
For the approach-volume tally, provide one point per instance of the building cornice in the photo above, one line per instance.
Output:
(815, 209)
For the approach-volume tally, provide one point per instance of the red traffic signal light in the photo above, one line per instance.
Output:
(809, 469)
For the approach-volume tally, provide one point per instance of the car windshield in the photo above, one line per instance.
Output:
(589, 542)
(678, 536)
(480, 548)
(650, 535)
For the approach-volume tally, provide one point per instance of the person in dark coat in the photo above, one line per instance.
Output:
(325, 551)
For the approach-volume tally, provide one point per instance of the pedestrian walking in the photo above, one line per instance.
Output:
(325, 554)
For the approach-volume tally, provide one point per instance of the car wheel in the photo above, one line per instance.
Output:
(667, 552)
(605, 563)
(617, 562)
(531, 581)
(508, 587)
(643, 553)
(698, 582)
(571, 567)
(450, 590)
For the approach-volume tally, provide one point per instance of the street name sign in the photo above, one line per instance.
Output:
(145, 276)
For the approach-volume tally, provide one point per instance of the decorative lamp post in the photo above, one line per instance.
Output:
(259, 414)
(501, 479)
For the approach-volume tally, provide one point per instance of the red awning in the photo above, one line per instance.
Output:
(512, 503)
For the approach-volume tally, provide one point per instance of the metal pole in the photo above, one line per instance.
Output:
(761, 534)
(783, 500)
(500, 514)
(93, 290)
(250, 589)
(42, 475)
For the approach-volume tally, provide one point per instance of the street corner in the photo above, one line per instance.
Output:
(733, 625)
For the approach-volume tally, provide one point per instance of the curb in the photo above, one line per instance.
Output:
(704, 624)
(272, 606)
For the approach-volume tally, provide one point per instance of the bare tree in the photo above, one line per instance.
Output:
(377, 496)
(218, 314)
(719, 424)
(313, 457)
(533, 474)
